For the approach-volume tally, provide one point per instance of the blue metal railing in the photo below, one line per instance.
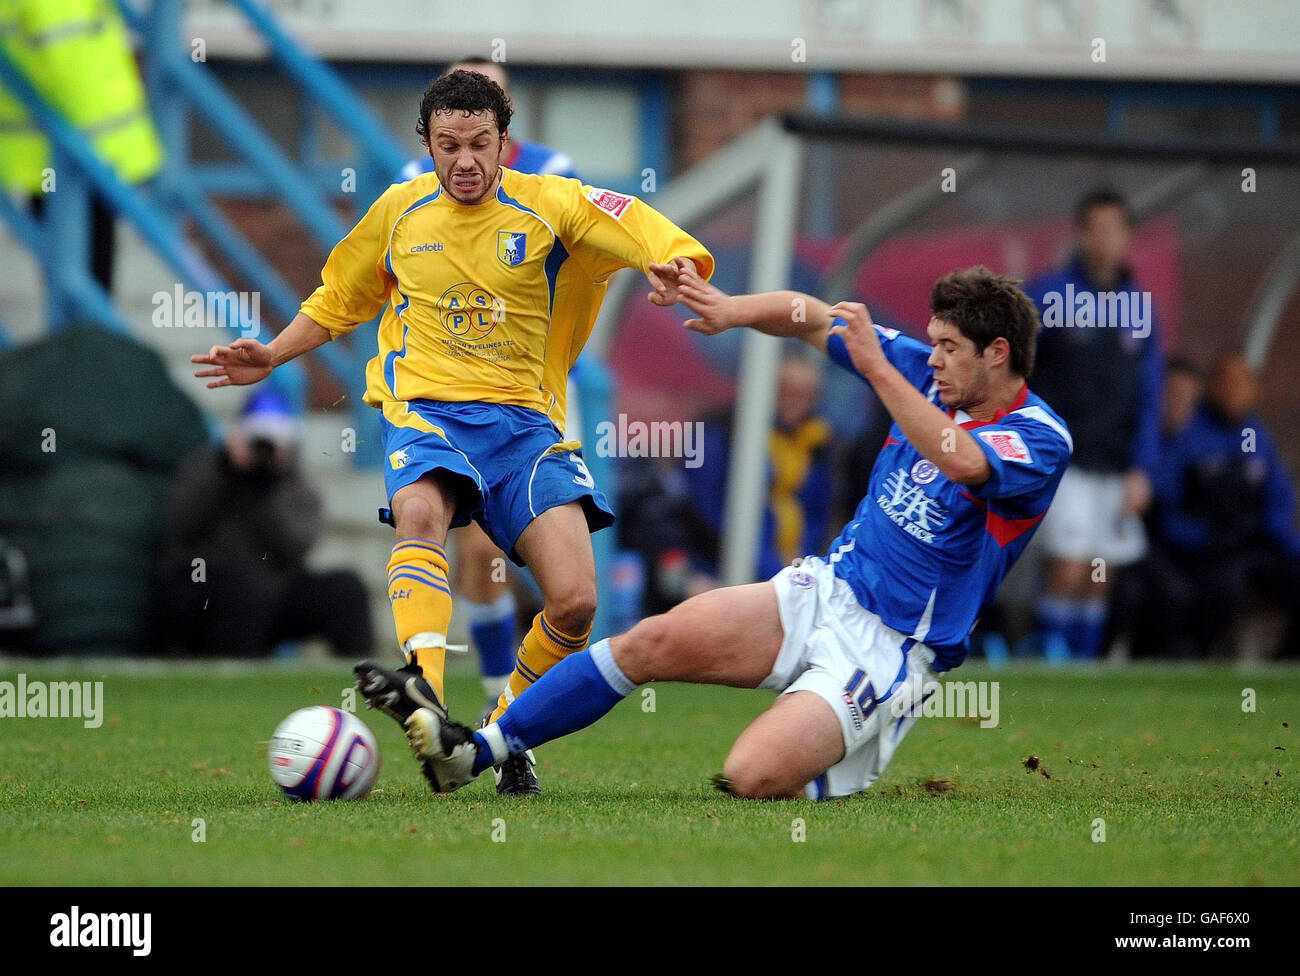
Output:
(59, 239)
(178, 194)
(383, 154)
(296, 184)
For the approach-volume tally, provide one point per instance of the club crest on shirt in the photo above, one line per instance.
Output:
(512, 248)
(1007, 444)
(924, 471)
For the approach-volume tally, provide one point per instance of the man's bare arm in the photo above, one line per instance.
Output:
(247, 361)
(929, 429)
(786, 314)
(299, 336)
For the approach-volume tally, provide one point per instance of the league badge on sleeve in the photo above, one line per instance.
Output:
(1007, 444)
(612, 203)
(512, 248)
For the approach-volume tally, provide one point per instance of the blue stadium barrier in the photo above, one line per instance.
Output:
(59, 239)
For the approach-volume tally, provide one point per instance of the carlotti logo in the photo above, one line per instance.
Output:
(468, 312)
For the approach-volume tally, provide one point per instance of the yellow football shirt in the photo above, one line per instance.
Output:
(490, 302)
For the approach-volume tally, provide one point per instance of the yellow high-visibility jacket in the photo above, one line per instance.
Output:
(77, 55)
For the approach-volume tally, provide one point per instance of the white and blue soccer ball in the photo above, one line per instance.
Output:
(323, 753)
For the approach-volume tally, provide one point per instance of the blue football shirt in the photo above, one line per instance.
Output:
(927, 554)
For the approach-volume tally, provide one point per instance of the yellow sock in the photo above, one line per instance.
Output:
(543, 648)
(421, 602)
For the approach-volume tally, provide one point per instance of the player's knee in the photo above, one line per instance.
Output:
(754, 778)
(418, 516)
(572, 609)
(646, 652)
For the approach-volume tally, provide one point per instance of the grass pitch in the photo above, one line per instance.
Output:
(1191, 789)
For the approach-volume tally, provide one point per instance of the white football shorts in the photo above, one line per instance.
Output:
(844, 653)
(1087, 521)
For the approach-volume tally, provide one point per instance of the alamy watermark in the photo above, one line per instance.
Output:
(651, 439)
(182, 309)
(53, 699)
(947, 699)
(76, 929)
(1086, 309)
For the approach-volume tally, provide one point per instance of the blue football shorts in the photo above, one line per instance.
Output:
(509, 464)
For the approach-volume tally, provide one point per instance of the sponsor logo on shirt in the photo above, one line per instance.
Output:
(435, 246)
(512, 248)
(612, 203)
(1007, 445)
(469, 312)
(910, 508)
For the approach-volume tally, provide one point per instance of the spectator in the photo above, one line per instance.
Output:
(1137, 607)
(799, 494)
(659, 520)
(798, 472)
(238, 587)
(1225, 525)
(1184, 384)
(1099, 368)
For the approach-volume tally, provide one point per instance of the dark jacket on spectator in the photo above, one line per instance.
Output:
(1103, 380)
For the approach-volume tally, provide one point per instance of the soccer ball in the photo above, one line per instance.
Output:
(322, 753)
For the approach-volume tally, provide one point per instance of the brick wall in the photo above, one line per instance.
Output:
(713, 107)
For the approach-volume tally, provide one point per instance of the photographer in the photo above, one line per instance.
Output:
(237, 587)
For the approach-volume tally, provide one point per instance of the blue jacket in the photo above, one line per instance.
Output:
(1101, 374)
(1215, 495)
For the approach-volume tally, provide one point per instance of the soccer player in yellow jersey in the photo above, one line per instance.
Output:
(485, 599)
(489, 281)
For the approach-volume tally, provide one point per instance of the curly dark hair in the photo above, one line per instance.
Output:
(984, 306)
(464, 91)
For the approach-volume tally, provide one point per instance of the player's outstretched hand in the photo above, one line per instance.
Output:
(859, 333)
(242, 362)
(712, 305)
(664, 279)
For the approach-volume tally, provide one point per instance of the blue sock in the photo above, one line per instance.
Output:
(572, 695)
(492, 629)
(1089, 630)
(1056, 619)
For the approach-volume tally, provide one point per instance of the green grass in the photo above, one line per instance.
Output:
(1192, 790)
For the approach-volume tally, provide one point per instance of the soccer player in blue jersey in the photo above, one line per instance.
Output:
(968, 471)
